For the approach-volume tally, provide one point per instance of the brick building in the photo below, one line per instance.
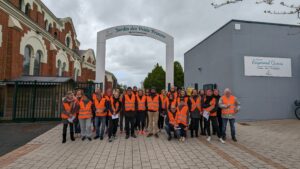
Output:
(34, 42)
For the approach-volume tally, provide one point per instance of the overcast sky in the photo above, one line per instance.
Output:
(188, 21)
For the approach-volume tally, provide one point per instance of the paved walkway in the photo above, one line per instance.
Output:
(266, 144)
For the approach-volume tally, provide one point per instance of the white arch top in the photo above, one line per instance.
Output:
(134, 30)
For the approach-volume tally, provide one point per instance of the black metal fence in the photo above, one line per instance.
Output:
(42, 101)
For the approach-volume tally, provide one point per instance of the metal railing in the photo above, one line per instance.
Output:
(42, 101)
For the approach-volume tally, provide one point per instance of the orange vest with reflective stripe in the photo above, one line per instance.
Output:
(67, 108)
(164, 102)
(85, 111)
(100, 106)
(114, 106)
(229, 101)
(181, 116)
(172, 118)
(185, 100)
(153, 104)
(129, 103)
(173, 103)
(141, 103)
(211, 107)
(195, 104)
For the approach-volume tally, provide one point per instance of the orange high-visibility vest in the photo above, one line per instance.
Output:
(181, 116)
(141, 103)
(67, 108)
(211, 107)
(173, 103)
(85, 111)
(229, 101)
(172, 118)
(185, 100)
(164, 102)
(114, 106)
(100, 106)
(153, 104)
(174, 95)
(195, 104)
(129, 103)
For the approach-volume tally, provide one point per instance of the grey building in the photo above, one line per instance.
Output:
(220, 59)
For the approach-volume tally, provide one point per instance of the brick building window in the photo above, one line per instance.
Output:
(46, 25)
(27, 9)
(61, 67)
(49, 29)
(21, 5)
(76, 74)
(26, 60)
(37, 63)
(68, 42)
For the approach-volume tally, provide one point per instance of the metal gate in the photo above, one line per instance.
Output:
(42, 101)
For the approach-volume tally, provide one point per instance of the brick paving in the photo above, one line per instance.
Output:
(264, 144)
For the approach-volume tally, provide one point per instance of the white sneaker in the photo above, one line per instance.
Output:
(222, 141)
(208, 139)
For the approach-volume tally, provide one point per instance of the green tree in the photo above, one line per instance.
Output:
(178, 74)
(156, 78)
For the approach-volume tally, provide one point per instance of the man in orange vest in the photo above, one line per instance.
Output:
(116, 106)
(164, 109)
(210, 115)
(182, 120)
(102, 106)
(171, 122)
(195, 110)
(129, 106)
(141, 111)
(230, 107)
(85, 117)
(68, 115)
(153, 104)
(173, 92)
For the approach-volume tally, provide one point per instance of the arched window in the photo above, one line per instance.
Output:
(76, 73)
(26, 60)
(21, 5)
(68, 42)
(27, 9)
(46, 25)
(37, 63)
(55, 34)
(49, 29)
(61, 68)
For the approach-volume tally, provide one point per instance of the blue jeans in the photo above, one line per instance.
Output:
(232, 127)
(100, 123)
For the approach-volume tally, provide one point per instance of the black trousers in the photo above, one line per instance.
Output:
(65, 126)
(114, 123)
(129, 125)
(213, 120)
(220, 122)
(141, 120)
(109, 126)
(161, 120)
(194, 126)
(202, 126)
(121, 120)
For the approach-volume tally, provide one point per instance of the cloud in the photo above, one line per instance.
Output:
(189, 22)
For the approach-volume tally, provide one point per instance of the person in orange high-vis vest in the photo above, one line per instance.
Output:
(68, 115)
(171, 122)
(230, 107)
(209, 106)
(101, 105)
(173, 92)
(85, 117)
(129, 106)
(183, 97)
(195, 110)
(182, 120)
(141, 111)
(164, 109)
(153, 104)
(116, 106)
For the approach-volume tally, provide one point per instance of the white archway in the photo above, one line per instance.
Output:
(134, 30)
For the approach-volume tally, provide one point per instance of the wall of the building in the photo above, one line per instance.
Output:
(261, 97)
(213, 56)
(266, 97)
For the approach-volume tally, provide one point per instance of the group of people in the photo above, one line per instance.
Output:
(147, 112)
